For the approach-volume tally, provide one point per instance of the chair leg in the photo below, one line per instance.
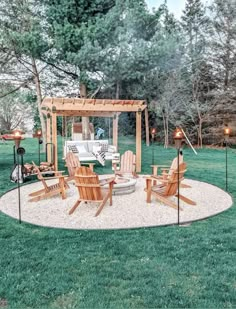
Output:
(110, 192)
(43, 196)
(166, 201)
(149, 190)
(74, 207)
(183, 185)
(187, 200)
(62, 185)
(102, 205)
(37, 192)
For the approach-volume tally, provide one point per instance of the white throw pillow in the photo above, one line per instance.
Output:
(81, 149)
(96, 148)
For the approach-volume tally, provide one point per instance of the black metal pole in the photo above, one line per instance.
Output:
(14, 154)
(226, 166)
(18, 186)
(178, 180)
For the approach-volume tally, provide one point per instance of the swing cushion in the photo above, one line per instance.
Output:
(79, 147)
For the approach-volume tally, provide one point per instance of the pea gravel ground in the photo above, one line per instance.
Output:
(127, 211)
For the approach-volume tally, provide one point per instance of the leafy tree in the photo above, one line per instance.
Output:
(14, 109)
(23, 37)
(194, 24)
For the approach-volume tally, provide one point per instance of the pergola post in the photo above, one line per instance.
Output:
(138, 140)
(54, 139)
(48, 140)
(147, 127)
(115, 131)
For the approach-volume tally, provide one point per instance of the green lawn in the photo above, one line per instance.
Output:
(167, 267)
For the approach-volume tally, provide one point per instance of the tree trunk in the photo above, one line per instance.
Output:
(165, 124)
(200, 133)
(227, 64)
(117, 89)
(39, 99)
(85, 120)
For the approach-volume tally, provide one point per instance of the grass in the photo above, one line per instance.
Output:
(168, 267)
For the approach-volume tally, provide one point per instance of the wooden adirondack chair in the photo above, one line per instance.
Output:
(72, 162)
(168, 188)
(127, 165)
(49, 190)
(90, 190)
(168, 170)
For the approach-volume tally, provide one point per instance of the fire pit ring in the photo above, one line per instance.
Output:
(122, 185)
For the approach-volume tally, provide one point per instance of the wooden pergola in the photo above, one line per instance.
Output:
(54, 107)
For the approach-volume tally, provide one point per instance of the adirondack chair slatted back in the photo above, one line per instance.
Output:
(88, 185)
(127, 164)
(174, 164)
(172, 184)
(40, 177)
(72, 162)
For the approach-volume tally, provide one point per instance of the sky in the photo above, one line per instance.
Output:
(175, 6)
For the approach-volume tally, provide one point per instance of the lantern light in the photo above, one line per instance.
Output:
(178, 136)
(227, 131)
(153, 130)
(39, 133)
(17, 136)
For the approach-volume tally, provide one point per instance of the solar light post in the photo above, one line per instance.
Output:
(20, 151)
(39, 135)
(178, 136)
(227, 132)
(153, 132)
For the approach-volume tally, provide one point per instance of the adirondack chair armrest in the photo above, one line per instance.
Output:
(106, 181)
(55, 177)
(155, 178)
(58, 172)
(153, 165)
(88, 163)
(155, 168)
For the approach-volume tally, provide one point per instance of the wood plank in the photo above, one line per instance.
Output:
(86, 113)
(76, 101)
(115, 131)
(49, 148)
(138, 141)
(54, 139)
(97, 107)
(147, 127)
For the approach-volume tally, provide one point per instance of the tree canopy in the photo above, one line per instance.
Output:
(185, 69)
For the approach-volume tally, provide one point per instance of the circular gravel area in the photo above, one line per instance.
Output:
(127, 211)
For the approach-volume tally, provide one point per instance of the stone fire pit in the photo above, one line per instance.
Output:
(123, 185)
